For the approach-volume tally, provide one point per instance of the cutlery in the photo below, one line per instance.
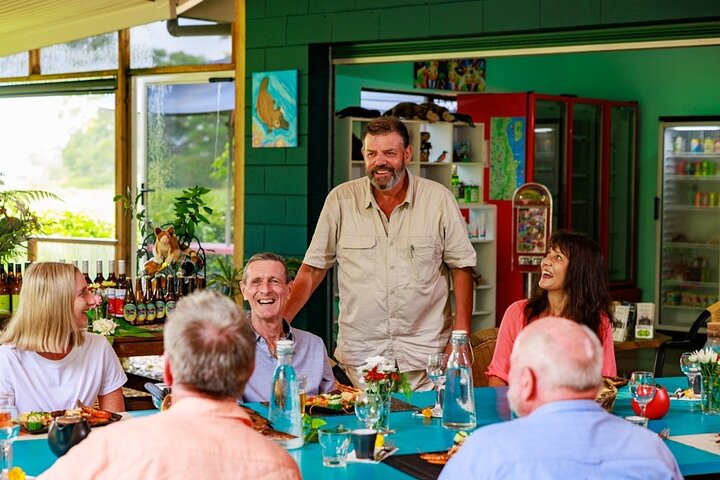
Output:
(664, 433)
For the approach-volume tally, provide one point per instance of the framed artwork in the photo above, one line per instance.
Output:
(274, 109)
(460, 75)
(507, 156)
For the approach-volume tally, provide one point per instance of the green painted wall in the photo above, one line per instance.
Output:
(677, 81)
(280, 190)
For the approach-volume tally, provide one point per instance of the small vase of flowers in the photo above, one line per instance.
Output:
(382, 378)
(707, 359)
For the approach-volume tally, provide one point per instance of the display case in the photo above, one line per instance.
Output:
(451, 154)
(689, 226)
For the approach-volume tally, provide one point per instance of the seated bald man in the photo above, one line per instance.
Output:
(563, 433)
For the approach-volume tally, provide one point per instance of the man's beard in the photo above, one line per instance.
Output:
(395, 177)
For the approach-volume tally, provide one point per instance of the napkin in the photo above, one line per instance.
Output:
(379, 458)
(702, 441)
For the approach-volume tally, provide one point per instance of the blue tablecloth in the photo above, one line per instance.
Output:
(415, 434)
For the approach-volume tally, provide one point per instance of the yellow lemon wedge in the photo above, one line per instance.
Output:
(427, 412)
(16, 473)
(379, 441)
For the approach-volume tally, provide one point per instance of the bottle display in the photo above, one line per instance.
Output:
(4, 294)
(459, 401)
(111, 294)
(140, 303)
(284, 407)
(15, 289)
(170, 296)
(129, 309)
(85, 269)
(149, 302)
(120, 288)
(99, 279)
(159, 300)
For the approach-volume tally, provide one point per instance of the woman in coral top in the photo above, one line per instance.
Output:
(572, 284)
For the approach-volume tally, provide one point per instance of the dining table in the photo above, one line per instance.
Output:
(413, 434)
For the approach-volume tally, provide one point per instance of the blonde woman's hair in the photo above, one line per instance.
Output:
(210, 345)
(45, 320)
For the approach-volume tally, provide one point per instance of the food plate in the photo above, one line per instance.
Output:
(337, 402)
(94, 417)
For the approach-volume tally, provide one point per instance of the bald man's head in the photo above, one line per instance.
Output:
(562, 358)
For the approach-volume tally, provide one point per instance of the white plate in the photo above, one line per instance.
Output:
(685, 399)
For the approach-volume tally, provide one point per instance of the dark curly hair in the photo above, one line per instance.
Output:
(585, 282)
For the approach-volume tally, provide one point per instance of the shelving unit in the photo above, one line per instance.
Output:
(689, 231)
(444, 137)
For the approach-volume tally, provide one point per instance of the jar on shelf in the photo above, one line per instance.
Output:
(713, 336)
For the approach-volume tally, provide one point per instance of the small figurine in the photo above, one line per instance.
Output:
(442, 156)
(425, 146)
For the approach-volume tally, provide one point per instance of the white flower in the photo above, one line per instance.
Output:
(383, 365)
(104, 326)
(704, 355)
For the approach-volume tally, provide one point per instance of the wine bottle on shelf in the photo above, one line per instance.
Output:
(149, 302)
(140, 302)
(10, 281)
(85, 269)
(15, 288)
(129, 309)
(99, 279)
(170, 296)
(120, 290)
(111, 293)
(159, 300)
(3, 275)
(4, 293)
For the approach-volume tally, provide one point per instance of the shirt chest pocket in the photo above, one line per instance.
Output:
(356, 257)
(424, 260)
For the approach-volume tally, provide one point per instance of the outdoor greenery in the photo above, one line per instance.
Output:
(80, 225)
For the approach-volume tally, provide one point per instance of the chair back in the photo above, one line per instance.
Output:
(482, 343)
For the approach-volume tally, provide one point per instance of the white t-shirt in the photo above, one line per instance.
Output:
(46, 385)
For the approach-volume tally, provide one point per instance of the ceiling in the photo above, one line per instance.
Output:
(30, 24)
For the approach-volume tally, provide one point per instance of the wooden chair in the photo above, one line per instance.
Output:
(482, 344)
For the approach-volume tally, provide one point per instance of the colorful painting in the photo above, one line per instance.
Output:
(461, 75)
(274, 109)
(507, 156)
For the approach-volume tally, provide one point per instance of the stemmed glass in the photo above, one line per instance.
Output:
(690, 369)
(437, 363)
(9, 430)
(367, 408)
(642, 389)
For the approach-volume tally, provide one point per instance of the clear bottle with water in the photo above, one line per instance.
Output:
(284, 409)
(459, 401)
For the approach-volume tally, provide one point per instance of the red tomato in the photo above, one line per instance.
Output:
(658, 406)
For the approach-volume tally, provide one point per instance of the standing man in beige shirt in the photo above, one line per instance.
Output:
(396, 239)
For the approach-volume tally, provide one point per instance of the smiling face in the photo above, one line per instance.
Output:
(385, 159)
(84, 300)
(265, 289)
(553, 270)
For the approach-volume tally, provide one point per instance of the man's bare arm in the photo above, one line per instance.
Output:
(306, 281)
(463, 291)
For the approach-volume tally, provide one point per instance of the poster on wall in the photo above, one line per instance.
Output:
(460, 75)
(274, 109)
(507, 156)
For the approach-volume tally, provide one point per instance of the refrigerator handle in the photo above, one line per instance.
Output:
(656, 209)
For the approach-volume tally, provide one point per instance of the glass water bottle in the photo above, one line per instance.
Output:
(284, 409)
(459, 401)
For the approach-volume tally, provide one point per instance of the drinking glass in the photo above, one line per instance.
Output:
(302, 390)
(9, 430)
(437, 363)
(690, 369)
(642, 389)
(334, 444)
(367, 408)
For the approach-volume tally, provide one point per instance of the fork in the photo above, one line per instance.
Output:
(664, 433)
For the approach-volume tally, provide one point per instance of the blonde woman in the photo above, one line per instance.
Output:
(47, 358)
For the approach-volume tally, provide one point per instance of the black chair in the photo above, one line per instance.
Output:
(691, 340)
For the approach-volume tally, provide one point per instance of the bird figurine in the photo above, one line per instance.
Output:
(442, 156)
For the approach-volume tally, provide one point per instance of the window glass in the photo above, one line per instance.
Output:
(152, 46)
(64, 144)
(16, 65)
(87, 54)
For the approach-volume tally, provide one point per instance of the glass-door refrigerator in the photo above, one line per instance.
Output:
(689, 226)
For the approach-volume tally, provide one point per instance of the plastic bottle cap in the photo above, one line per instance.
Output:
(284, 345)
(459, 333)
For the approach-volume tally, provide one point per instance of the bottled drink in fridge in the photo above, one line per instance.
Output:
(459, 401)
(120, 290)
(284, 408)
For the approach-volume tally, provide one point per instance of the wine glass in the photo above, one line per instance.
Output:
(367, 408)
(437, 363)
(690, 369)
(9, 430)
(642, 389)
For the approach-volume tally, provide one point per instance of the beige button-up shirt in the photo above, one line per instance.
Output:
(393, 275)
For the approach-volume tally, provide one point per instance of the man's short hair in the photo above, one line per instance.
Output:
(210, 345)
(267, 256)
(385, 126)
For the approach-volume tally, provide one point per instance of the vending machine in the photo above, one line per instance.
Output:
(532, 213)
